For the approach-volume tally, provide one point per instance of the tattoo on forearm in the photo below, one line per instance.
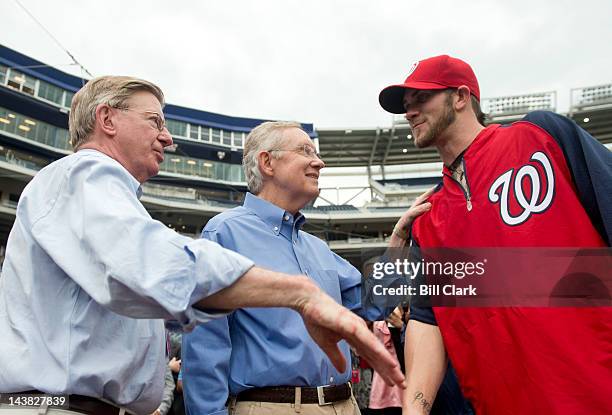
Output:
(419, 397)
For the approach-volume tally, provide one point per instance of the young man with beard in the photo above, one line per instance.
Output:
(538, 360)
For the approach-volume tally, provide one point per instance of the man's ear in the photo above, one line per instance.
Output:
(463, 98)
(105, 120)
(265, 162)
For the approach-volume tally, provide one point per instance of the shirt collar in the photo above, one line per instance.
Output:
(275, 217)
(134, 184)
(455, 164)
(474, 146)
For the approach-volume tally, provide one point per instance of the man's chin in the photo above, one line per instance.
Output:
(422, 143)
(314, 193)
(153, 172)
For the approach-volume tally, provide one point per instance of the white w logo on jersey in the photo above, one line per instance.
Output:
(529, 206)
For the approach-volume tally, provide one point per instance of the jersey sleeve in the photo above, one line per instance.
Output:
(590, 164)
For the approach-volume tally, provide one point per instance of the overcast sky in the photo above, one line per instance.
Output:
(319, 61)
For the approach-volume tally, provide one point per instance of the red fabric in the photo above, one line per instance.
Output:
(363, 363)
(520, 360)
(438, 72)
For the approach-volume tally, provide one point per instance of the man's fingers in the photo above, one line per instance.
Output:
(424, 196)
(327, 338)
(378, 356)
(419, 207)
(394, 376)
(387, 367)
(417, 210)
(327, 322)
(335, 356)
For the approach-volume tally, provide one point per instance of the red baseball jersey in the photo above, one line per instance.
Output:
(530, 185)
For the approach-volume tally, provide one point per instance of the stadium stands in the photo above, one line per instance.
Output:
(203, 175)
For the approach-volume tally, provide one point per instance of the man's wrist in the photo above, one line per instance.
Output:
(400, 232)
(304, 291)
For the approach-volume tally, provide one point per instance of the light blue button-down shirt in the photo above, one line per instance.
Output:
(266, 347)
(87, 279)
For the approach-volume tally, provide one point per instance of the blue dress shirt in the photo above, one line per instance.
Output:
(88, 278)
(267, 347)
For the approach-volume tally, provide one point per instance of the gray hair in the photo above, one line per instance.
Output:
(110, 90)
(265, 137)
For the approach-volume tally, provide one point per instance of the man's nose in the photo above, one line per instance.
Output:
(411, 112)
(165, 137)
(317, 163)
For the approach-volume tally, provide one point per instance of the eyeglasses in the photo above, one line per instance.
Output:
(303, 150)
(158, 121)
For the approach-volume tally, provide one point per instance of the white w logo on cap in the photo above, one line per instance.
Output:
(530, 206)
(412, 68)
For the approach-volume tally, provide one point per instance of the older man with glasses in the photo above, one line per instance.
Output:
(263, 360)
(89, 276)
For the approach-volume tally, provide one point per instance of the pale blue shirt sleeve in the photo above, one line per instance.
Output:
(126, 261)
(206, 354)
(88, 274)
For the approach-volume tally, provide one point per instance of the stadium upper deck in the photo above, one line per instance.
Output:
(590, 107)
(203, 176)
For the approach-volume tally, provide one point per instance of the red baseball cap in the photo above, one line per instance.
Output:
(439, 72)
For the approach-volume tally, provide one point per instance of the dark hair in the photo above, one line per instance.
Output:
(480, 116)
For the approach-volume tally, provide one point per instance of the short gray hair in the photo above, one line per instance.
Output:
(110, 90)
(264, 137)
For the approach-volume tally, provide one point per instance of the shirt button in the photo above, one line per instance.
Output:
(331, 379)
(286, 217)
(275, 228)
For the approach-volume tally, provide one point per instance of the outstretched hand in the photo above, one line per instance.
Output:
(328, 322)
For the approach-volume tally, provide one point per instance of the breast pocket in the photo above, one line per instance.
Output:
(329, 282)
